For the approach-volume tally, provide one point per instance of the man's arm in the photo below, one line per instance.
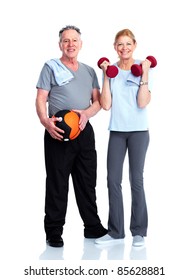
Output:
(91, 111)
(48, 123)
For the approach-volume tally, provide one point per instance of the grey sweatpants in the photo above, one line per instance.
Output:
(136, 143)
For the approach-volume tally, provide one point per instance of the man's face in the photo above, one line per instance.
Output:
(70, 43)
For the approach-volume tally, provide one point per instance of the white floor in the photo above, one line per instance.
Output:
(163, 248)
(159, 247)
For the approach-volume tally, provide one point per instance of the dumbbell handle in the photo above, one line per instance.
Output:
(111, 70)
(136, 69)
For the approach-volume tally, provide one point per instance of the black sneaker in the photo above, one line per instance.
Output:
(55, 241)
(95, 233)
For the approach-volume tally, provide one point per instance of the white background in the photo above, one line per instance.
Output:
(29, 37)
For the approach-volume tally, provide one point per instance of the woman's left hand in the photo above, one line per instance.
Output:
(146, 65)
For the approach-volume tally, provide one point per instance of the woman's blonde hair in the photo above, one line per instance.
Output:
(125, 32)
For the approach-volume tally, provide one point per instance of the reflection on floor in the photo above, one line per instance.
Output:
(91, 251)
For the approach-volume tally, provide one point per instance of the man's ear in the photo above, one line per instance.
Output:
(60, 45)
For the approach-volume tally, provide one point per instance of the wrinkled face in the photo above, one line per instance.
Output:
(124, 47)
(70, 43)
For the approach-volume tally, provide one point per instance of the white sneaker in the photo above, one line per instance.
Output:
(107, 239)
(138, 241)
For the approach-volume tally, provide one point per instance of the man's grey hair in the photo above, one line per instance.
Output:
(68, 27)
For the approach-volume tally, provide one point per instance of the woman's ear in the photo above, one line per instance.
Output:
(135, 45)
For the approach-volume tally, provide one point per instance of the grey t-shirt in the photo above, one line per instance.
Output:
(76, 94)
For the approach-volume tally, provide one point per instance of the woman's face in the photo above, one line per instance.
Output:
(124, 47)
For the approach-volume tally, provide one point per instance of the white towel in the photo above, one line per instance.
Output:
(61, 73)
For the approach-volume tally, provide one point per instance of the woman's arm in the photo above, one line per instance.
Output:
(144, 95)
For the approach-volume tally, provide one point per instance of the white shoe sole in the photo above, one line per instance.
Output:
(138, 244)
(109, 242)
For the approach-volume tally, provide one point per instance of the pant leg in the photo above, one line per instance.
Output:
(59, 158)
(84, 182)
(137, 148)
(115, 159)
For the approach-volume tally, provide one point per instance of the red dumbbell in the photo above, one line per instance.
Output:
(111, 70)
(136, 69)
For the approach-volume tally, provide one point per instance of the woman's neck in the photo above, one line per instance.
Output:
(125, 64)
